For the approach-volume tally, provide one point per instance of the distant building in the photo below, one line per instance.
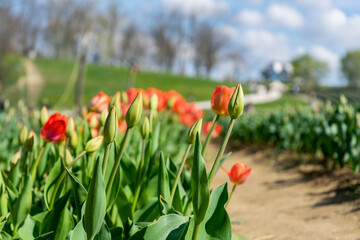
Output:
(278, 71)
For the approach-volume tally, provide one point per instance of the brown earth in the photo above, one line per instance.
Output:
(284, 200)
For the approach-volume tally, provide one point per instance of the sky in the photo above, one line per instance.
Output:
(271, 30)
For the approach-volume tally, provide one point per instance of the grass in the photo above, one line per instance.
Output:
(110, 79)
(285, 101)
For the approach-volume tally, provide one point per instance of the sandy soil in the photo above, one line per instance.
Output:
(34, 82)
(282, 200)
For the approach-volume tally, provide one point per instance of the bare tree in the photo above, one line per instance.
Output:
(237, 61)
(68, 20)
(133, 45)
(168, 33)
(208, 44)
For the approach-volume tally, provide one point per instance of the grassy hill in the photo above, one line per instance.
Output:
(110, 79)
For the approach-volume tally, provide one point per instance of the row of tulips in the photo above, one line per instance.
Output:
(331, 134)
(144, 181)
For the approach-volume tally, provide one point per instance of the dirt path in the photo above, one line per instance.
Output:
(284, 204)
(34, 83)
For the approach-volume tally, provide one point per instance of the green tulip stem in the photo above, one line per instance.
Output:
(117, 163)
(36, 163)
(63, 174)
(232, 192)
(208, 136)
(196, 230)
(23, 163)
(75, 159)
(221, 151)
(106, 156)
(140, 173)
(179, 172)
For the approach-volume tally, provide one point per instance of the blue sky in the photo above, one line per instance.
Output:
(273, 29)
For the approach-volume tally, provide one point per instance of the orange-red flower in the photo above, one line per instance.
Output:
(239, 173)
(216, 132)
(55, 128)
(124, 109)
(99, 102)
(220, 100)
(187, 119)
(122, 126)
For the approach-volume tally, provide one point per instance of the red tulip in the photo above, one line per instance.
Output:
(93, 119)
(99, 102)
(122, 126)
(220, 100)
(55, 128)
(239, 173)
(124, 109)
(215, 133)
(187, 119)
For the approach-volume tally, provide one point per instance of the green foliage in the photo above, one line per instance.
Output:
(95, 209)
(350, 66)
(309, 70)
(66, 199)
(332, 132)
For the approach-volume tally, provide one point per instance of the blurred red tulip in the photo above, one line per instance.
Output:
(122, 126)
(124, 109)
(94, 132)
(93, 119)
(132, 93)
(239, 173)
(99, 102)
(187, 119)
(220, 100)
(54, 129)
(215, 133)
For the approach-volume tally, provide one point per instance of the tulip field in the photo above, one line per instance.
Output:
(131, 167)
(332, 133)
(135, 165)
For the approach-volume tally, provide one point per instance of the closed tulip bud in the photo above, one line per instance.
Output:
(236, 104)
(124, 97)
(30, 142)
(68, 158)
(94, 144)
(194, 130)
(23, 135)
(73, 140)
(170, 103)
(145, 128)
(115, 101)
(103, 117)
(111, 126)
(70, 127)
(133, 115)
(15, 159)
(44, 116)
(154, 101)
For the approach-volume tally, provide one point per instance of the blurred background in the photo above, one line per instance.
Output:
(62, 52)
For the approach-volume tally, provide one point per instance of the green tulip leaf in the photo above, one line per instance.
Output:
(199, 184)
(95, 207)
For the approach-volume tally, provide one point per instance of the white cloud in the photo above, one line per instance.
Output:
(228, 31)
(325, 55)
(201, 8)
(332, 59)
(334, 28)
(267, 46)
(249, 17)
(284, 15)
